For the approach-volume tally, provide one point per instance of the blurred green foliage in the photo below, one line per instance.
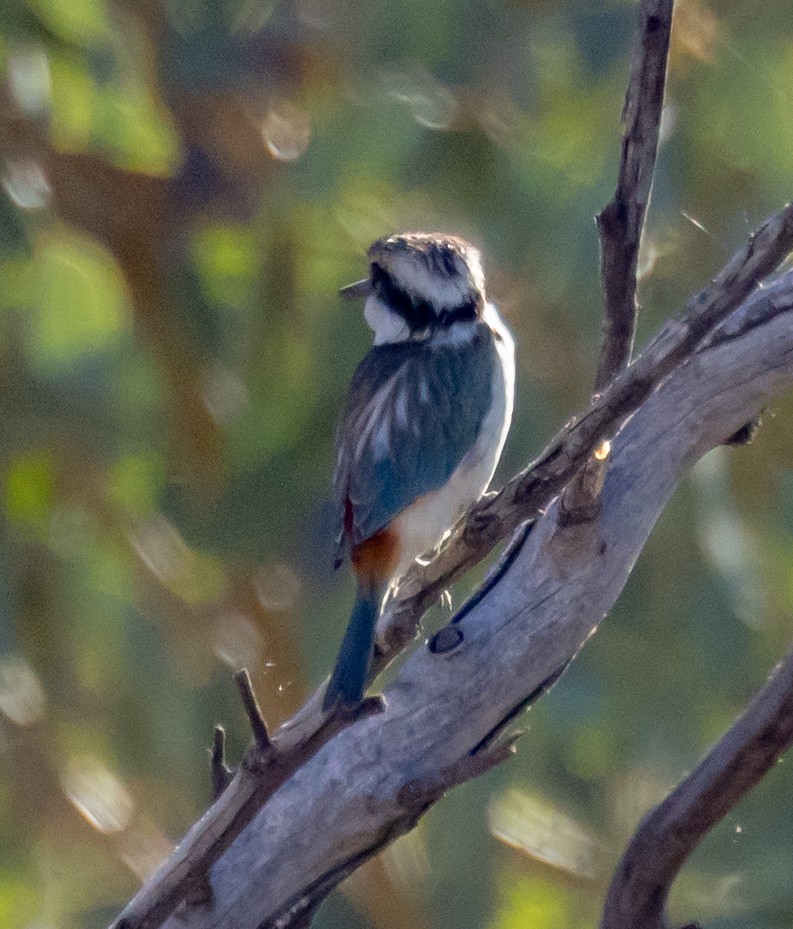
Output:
(185, 185)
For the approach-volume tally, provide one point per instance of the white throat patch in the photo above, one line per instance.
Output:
(386, 325)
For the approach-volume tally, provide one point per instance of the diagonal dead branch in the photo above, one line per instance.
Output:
(522, 498)
(295, 745)
(261, 774)
(489, 521)
(415, 799)
(668, 834)
(369, 783)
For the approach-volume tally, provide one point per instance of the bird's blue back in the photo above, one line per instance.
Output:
(414, 409)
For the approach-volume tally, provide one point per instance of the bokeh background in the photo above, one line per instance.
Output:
(185, 186)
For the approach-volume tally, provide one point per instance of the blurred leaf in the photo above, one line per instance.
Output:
(13, 236)
(83, 21)
(83, 309)
(227, 264)
(136, 130)
(74, 99)
(135, 482)
(17, 283)
(19, 902)
(535, 902)
(29, 490)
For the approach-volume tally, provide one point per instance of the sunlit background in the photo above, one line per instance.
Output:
(185, 186)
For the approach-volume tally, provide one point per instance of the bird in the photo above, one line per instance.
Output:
(425, 420)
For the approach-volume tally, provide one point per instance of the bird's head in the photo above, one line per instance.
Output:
(424, 280)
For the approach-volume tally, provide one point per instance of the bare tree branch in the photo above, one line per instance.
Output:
(497, 516)
(309, 806)
(181, 888)
(668, 834)
(445, 712)
(258, 726)
(183, 878)
(221, 772)
(621, 221)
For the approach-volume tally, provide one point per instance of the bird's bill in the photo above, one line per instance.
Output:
(357, 291)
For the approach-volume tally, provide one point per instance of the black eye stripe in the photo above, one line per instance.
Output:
(417, 313)
(394, 297)
(466, 311)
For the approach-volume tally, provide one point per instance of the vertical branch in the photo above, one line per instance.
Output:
(621, 221)
(620, 224)
(666, 837)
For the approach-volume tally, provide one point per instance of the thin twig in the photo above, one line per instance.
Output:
(258, 726)
(668, 834)
(221, 772)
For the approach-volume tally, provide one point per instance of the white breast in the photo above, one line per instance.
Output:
(424, 524)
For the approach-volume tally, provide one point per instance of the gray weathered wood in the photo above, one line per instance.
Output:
(371, 781)
(621, 221)
(497, 516)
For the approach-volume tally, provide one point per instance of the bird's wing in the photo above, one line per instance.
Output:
(413, 411)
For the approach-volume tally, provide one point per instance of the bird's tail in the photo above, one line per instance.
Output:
(348, 680)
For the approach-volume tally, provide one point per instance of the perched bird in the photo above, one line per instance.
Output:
(426, 417)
